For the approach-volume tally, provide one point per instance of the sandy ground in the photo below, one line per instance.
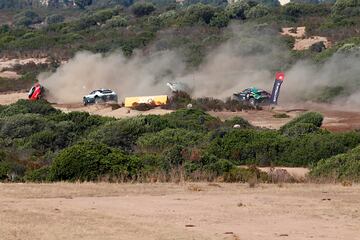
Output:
(184, 211)
(301, 42)
(9, 74)
(8, 63)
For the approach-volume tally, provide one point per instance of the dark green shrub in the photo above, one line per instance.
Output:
(299, 129)
(22, 125)
(37, 175)
(310, 148)
(311, 118)
(248, 146)
(117, 21)
(281, 115)
(257, 11)
(220, 167)
(141, 9)
(26, 18)
(237, 9)
(191, 119)
(341, 167)
(346, 7)
(123, 133)
(82, 3)
(24, 106)
(238, 121)
(86, 161)
(220, 20)
(54, 19)
(198, 13)
(158, 141)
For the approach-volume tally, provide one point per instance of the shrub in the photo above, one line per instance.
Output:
(248, 146)
(198, 13)
(87, 161)
(191, 119)
(24, 106)
(142, 9)
(281, 115)
(310, 148)
(123, 133)
(346, 7)
(21, 125)
(257, 11)
(310, 118)
(37, 175)
(237, 9)
(238, 121)
(158, 141)
(54, 19)
(219, 20)
(26, 18)
(341, 167)
(299, 129)
(117, 21)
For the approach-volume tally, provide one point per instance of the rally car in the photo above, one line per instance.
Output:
(36, 92)
(100, 96)
(253, 96)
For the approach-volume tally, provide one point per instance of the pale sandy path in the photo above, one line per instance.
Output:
(162, 211)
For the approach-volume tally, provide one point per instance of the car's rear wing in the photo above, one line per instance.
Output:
(279, 78)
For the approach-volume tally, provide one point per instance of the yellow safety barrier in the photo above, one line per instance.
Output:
(153, 100)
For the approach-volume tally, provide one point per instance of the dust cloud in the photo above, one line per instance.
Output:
(250, 58)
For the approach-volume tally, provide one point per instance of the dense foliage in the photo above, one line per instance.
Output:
(39, 143)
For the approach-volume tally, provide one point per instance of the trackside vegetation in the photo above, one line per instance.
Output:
(40, 143)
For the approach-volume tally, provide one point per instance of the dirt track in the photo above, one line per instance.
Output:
(335, 118)
(185, 211)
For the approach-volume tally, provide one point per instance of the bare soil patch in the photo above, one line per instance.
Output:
(170, 211)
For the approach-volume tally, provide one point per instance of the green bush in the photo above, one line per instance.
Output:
(238, 121)
(248, 146)
(54, 19)
(237, 9)
(310, 118)
(341, 167)
(37, 175)
(346, 7)
(257, 11)
(198, 13)
(123, 133)
(24, 106)
(158, 141)
(311, 148)
(117, 21)
(141, 9)
(87, 161)
(26, 18)
(22, 125)
(301, 128)
(220, 20)
(191, 119)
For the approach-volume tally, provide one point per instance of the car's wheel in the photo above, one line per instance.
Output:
(253, 102)
(85, 101)
(98, 100)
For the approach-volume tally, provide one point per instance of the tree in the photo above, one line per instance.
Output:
(82, 3)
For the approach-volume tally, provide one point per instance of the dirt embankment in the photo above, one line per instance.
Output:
(302, 42)
(336, 119)
(179, 211)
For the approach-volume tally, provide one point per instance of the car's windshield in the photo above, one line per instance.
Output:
(107, 91)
